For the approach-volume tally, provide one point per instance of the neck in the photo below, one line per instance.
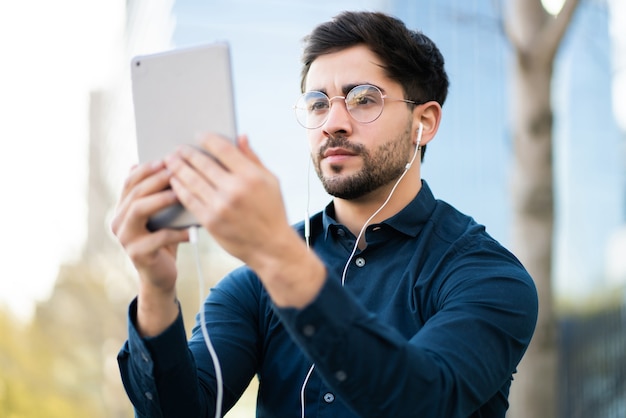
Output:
(355, 213)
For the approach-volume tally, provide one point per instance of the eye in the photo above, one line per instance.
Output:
(315, 102)
(364, 96)
(317, 105)
(362, 99)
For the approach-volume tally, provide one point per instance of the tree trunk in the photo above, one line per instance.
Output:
(534, 388)
(535, 36)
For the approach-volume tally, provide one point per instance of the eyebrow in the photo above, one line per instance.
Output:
(345, 89)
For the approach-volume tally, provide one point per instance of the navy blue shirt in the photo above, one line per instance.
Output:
(432, 320)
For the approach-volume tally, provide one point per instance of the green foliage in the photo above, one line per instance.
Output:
(26, 389)
(63, 363)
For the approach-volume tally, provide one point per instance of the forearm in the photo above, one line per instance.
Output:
(156, 310)
(364, 362)
(292, 275)
(159, 373)
(181, 371)
(380, 372)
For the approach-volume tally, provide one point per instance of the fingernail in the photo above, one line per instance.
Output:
(170, 158)
(185, 150)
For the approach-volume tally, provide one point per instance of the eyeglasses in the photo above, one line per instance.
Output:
(364, 103)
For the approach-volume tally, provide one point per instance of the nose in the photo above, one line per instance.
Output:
(339, 119)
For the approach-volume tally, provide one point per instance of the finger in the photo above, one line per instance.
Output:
(144, 180)
(225, 151)
(200, 183)
(232, 159)
(138, 173)
(244, 146)
(154, 183)
(134, 214)
(196, 172)
(153, 255)
(143, 250)
(200, 205)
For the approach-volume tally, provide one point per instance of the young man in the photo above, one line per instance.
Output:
(401, 307)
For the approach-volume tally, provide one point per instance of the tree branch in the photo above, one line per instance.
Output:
(508, 22)
(552, 33)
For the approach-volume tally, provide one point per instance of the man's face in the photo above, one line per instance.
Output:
(353, 159)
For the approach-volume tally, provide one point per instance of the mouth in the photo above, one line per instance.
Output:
(337, 152)
(337, 155)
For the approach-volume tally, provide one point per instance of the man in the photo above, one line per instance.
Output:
(395, 304)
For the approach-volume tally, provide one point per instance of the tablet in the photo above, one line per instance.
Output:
(178, 96)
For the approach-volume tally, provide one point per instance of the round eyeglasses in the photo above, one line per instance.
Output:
(364, 103)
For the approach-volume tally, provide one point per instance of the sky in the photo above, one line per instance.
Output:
(51, 60)
(44, 80)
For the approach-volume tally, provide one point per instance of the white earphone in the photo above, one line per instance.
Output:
(354, 249)
(420, 130)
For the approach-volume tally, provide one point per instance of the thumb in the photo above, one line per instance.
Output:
(244, 146)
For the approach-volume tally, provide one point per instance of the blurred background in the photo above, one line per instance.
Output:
(67, 143)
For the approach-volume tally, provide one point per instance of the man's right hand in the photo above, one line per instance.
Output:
(153, 254)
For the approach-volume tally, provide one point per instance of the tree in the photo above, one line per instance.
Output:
(29, 376)
(535, 36)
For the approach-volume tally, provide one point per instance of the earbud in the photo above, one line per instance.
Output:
(419, 135)
(417, 146)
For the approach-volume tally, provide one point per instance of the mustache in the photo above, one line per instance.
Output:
(340, 142)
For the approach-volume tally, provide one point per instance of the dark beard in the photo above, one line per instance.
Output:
(382, 167)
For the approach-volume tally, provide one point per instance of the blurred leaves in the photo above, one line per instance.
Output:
(64, 362)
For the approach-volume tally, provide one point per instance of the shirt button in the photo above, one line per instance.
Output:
(308, 330)
(360, 262)
(341, 232)
(329, 397)
(148, 395)
(341, 375)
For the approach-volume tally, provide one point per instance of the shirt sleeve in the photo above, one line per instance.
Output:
(461, 357)
(159, 373)
(170, 376)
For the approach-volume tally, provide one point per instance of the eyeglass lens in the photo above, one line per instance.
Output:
(364, 103)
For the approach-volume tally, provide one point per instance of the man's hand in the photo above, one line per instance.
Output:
(153, 254)
(238, 200)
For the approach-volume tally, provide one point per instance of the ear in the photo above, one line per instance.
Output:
(429, 115)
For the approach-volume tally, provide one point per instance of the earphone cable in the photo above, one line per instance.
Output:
(356, 246)
(193, 239)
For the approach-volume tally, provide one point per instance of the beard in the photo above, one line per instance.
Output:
(381, 166)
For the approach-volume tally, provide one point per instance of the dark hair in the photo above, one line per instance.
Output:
(409, 57)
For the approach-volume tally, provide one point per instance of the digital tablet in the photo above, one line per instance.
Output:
(178, 96)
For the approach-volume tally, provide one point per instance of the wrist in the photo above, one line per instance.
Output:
(292, 274)
(156, 310)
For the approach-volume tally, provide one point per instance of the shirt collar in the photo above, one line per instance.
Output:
(410, 220)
